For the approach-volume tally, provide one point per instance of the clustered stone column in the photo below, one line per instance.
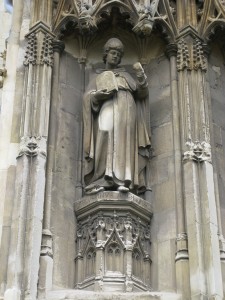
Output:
(199, 193)
(29, 198)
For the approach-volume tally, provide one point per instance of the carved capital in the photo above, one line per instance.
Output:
(198, 152)
(40, 46)
(32, 146)
(171, 50)
(199, 60)
(191, 56)
(46, 244)
(58, 46)
(46, 56)
(31, 51)
(183, 56)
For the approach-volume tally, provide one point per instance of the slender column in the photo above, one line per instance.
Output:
(46, 259)
(180, 14)
(82, 61)
(42, 11)
(181, 258)
(128, 255)
(7, 148)
(100, 255)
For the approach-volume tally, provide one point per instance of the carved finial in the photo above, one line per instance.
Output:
(171, 50)
(58, 46)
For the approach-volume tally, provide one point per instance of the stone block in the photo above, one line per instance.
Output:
(166, 266)
(162, 140)
(163, 196)
(166, 225)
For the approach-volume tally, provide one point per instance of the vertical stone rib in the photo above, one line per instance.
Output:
(200, 204)
(182, 265)
(46, 261)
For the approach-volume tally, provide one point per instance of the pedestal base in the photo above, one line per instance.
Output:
(113, 243)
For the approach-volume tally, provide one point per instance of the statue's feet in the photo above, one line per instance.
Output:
(123, 189)
(94, 190)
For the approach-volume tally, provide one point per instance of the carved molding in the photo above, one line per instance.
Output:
(198, 152)
(86, 18)
(182, 247)
(168, 16)
(32, 146)
(128, 230)
(46, 243)
(182, 237)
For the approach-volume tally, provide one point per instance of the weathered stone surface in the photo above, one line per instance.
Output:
(81, 295)
(187, 108)
(113, 242)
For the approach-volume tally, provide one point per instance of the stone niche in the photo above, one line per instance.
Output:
(113, 242)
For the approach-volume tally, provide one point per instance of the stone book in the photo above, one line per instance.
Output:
(107, 80)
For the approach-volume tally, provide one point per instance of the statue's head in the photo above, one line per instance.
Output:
(113, 44)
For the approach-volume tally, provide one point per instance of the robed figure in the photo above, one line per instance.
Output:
(116, 135)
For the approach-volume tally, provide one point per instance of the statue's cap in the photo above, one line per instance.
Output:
(114, 43)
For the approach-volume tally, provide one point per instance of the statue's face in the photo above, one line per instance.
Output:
(113, 57)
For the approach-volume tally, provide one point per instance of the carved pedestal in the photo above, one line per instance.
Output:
(113, 242)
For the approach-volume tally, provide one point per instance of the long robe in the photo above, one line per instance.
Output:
(116, 139)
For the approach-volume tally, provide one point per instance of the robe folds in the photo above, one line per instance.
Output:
(116, 137)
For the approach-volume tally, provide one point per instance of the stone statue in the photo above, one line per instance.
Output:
(116, 137)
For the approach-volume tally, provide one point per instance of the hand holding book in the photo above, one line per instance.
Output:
(102, 95)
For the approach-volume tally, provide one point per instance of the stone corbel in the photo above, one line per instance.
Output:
(145, 22)
(3, 71)
(198, 152)
(87, 23)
